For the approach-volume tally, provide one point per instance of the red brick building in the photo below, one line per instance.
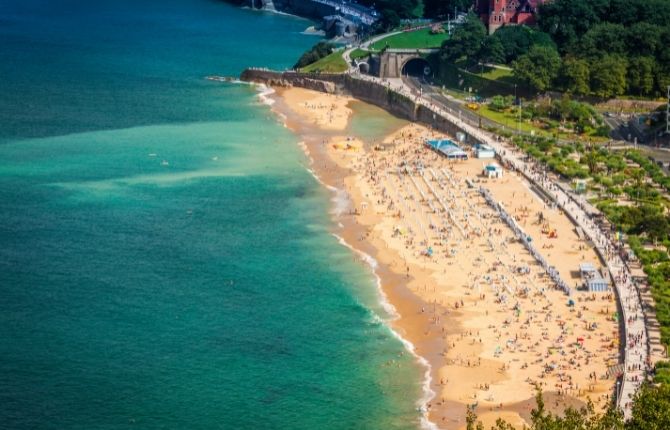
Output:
(496, 13)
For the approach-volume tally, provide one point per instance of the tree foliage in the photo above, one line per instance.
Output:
(608, 76)
(392, 11)
(317, 52)
(517, 40)
(584, 418)
(501, 103)
(635, 31)
(492, 51)
(608, 47)
(539, 67)
(440, 9)
(466, 41)
(575, 76)
(651, 409)
(641, 73)
(603, 37)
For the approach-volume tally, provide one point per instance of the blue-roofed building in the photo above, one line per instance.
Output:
(448, 148)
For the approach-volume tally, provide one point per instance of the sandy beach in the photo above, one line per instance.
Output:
(471, 298)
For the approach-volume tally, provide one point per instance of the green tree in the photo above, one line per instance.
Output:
(389, 20)
(392, 11)
(651, 409)
(502, 425)
(575, 76)
(471, 422)
(663, 55)
(654, 11)
(318, 51)
(516, 40)
(655, 225)
(624, 12)
(500, 103)
(443, 8)
(492, 51)
(538, 68)
(662, 79)
(643, 38)
(608, 76)
(591, 159)
(641, 74)
(566, 20)
(584, 418)
(466, 40)
(602, 39)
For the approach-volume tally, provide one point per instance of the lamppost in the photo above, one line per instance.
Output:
(518, 107)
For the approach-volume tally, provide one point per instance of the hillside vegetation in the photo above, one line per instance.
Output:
(603, 48)
(423, 38)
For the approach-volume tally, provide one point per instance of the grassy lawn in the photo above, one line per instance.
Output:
(486, 83)
(333, 63)
(418, 39)
(495, 74)
(359, 53)
(510, 121)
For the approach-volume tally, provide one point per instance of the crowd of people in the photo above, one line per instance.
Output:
(520, 324)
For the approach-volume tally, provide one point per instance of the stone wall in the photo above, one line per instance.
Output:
(368, 91)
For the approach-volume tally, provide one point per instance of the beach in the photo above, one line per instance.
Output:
(468, 295)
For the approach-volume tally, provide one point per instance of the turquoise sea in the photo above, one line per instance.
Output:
(166, 260)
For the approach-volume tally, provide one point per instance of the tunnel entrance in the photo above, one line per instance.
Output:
(416, 67)
(364, 68)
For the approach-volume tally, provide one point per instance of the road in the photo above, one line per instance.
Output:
(453, 105)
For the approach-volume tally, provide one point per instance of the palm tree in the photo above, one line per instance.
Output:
(591, 158)
(637, 174)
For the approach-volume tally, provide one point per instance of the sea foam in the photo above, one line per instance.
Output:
(428, 393)
(340, 201)
(264, 93)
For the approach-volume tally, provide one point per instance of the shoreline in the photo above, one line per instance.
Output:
(404, 292)
(349, 233)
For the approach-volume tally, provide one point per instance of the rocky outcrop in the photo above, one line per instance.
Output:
(277, 79)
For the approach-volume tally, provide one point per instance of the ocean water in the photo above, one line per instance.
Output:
(166, 259)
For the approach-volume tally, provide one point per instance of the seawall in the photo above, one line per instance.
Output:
(371, 92)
